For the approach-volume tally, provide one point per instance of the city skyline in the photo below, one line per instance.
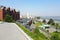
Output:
(34, 7)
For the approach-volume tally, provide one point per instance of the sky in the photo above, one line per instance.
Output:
(34, 7)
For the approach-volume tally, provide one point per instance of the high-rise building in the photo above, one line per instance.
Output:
(13, 13)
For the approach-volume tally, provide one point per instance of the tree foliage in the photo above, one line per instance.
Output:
(8, 18)
(44, 21)
(38, 17)
(51, 21)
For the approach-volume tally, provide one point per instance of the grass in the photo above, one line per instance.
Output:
(58, 33)
(55, 36)
(25, 30)
(37, 24)
(33, 36)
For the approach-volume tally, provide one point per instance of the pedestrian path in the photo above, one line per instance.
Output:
(10, 31)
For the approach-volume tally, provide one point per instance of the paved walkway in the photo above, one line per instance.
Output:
(10, 31)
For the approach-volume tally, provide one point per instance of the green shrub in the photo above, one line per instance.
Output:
(8, 18)
(47, 30)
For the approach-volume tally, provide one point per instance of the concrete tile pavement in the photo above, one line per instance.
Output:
(10, 31)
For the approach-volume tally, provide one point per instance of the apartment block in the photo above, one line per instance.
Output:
(7, 10)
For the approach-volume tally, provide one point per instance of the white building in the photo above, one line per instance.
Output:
(45, 26)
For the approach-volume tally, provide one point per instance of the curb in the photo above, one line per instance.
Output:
(25, 35)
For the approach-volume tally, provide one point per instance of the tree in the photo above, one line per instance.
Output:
(51, 21)
(33, 22)
(38, 17)
(44, 21)
(8, 18)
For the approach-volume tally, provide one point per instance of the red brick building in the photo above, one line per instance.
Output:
(13, 13)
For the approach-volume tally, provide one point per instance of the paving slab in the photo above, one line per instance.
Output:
(9, 31)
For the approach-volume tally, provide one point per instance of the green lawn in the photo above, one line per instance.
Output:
(55, 36)
(58, 33)
(33, 36)
(37, 24)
